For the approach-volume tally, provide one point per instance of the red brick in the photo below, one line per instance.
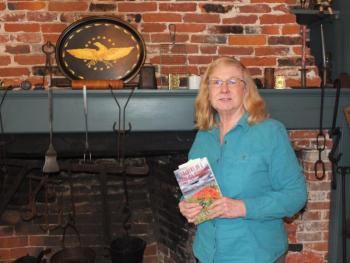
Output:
(161, 38)
(2, 6)
(161, 17)
(5, 255)
(248, 19)
(151, 249)
(4, 38)
(174, 70)
(150, 259)
(270, 30)
(14, 17)
(318, 205)
(42, 16)
(29, 59)
(277, 19)
(6, 230)
(320, 186)
(153, 27)
(33, 5)
(315, 82)
(260, 8)
(202, 18)
(320, 246)
(273, 1)
(13, 72)
(53, 28)
(5, 60)
(307, 134)
(255, 71)
(208, 49)
(224, 50)
(213, 39)
(170, 60)
(263, 61)
(68, 6)
(290, 29)
(28, 37)
(190, 28)
(137, 7)
(265, 51)
(200, 59)
(297, 51)
(178, 7)
(244, 40)
(11, 242)
(282, 8)
(51, 37)
(304, 257)
(30, 27)
(18, 49)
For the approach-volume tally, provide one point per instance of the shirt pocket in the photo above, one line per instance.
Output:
(247, 173)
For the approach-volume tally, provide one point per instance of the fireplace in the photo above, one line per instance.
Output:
(161, 134)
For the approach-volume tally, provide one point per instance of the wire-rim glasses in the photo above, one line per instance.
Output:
(231, 83)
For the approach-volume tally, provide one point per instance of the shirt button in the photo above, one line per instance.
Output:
(225, 142)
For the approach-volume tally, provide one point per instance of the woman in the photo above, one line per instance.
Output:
(254, 164)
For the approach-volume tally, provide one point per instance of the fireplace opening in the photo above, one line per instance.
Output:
(88, 205)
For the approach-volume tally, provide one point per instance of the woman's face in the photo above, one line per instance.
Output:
(226, 89)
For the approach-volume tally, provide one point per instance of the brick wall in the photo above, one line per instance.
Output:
(260, 33)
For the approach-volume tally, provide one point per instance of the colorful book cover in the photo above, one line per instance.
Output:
(198, 184)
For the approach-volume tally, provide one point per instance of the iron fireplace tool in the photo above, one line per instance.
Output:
(87, 152)
(50, 165)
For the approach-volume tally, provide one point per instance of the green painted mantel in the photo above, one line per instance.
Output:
(26, 112)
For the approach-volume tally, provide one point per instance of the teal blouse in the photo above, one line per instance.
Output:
(256, 164)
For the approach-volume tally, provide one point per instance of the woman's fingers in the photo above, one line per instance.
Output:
(189, 210)
(227, 208)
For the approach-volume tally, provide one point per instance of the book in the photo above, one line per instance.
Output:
(198, 184)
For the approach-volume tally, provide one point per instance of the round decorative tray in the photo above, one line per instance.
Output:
(97, 48)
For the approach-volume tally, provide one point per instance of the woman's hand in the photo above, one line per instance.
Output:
(227, 208)
(189, 210)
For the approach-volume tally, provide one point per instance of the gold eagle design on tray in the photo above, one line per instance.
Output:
(101, 54)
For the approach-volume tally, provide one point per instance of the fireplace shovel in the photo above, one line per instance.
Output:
(50, 165)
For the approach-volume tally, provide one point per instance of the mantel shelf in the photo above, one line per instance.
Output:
(311, 16)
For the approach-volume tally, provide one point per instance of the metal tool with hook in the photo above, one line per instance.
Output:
(49, 49)
(319, 166)
(121, 131)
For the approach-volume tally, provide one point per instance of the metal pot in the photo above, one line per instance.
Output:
(74, 255)
(32, 259)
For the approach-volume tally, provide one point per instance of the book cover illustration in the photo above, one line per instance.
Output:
(198, 184)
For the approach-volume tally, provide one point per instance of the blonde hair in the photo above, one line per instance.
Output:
(205, 114)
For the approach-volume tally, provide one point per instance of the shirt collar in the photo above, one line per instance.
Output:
(243, 123)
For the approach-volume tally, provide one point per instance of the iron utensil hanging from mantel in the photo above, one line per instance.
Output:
(87, 152)
(50, 165)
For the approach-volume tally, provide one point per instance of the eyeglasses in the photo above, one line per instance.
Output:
(231, 83)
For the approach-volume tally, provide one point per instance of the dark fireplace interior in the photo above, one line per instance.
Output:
(91, 203)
